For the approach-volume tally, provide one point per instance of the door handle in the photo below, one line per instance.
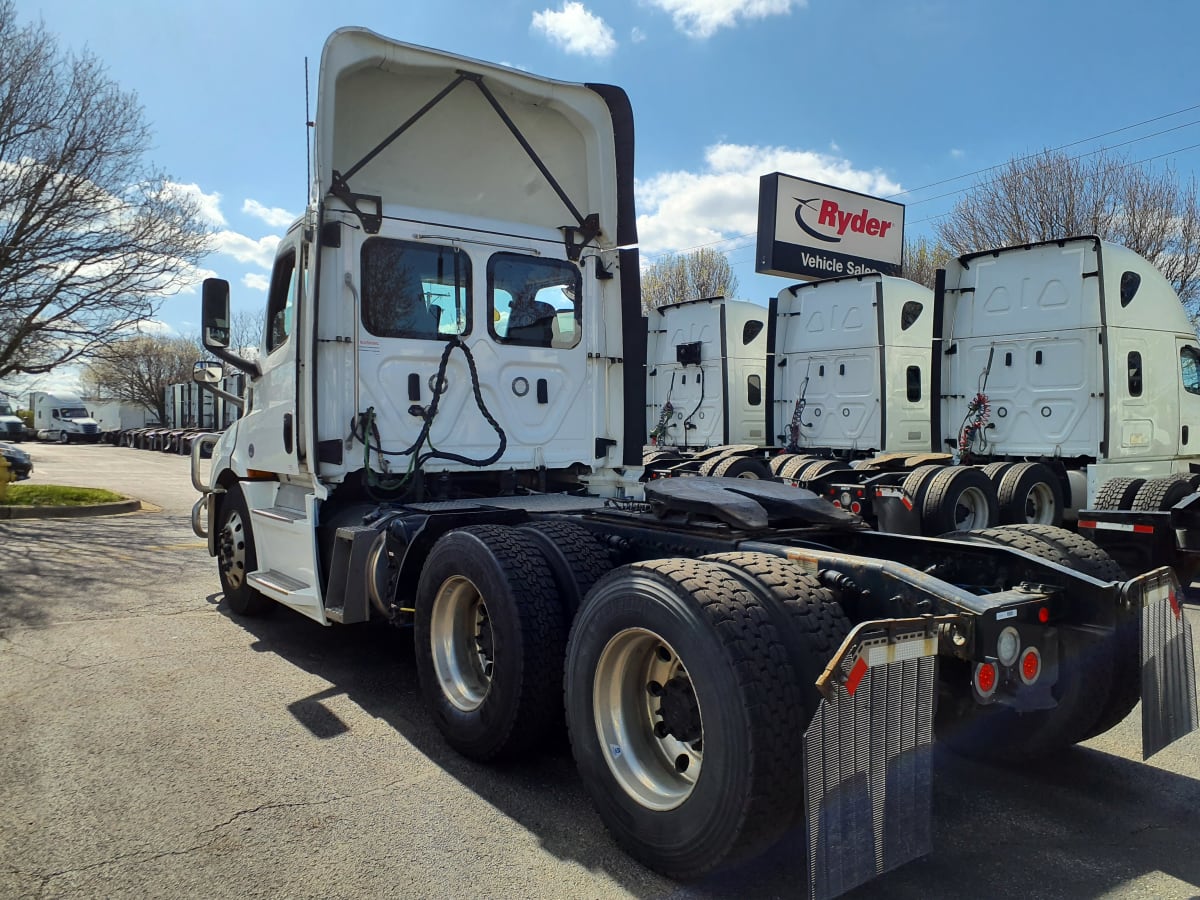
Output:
(287, 432)
(1184, 436)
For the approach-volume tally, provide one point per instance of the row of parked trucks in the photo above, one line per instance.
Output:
(1034, 382)
(446, 429)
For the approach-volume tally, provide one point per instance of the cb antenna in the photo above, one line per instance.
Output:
(308, 125)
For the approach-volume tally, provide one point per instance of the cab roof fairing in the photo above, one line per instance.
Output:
(458, 156)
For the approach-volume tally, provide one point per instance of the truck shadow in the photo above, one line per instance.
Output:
(1085, 824)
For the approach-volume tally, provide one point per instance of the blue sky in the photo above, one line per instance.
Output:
(879, 97)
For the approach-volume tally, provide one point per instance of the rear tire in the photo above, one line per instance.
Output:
(959, 498)
(1118, 493)
(811, 623)
(1160, 494)
(684, 716)
(490, 636)
(576, 557)
(1030, 493)
(741, 467)
(795, 465)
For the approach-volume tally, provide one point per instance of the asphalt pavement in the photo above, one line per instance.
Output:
(153, 745)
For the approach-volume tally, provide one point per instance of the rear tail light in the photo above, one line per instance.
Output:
(856, 507)
(985, 680)
(1031, 665)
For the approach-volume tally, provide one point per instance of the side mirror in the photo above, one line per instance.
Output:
(214, 327)
(205, 372)
(214, 324)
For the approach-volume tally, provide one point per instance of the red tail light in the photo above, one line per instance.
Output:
(986, 678)
(1031, 665)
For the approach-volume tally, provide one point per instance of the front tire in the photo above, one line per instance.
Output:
(684, 716)
(236, 556)
(490, 638)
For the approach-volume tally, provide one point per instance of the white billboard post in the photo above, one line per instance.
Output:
(810, 230)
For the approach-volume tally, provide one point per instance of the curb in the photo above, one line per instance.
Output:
(69, 512)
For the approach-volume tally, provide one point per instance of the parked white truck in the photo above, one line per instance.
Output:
(11, 426)
(706, 369)
(445, 432)
(63, 418)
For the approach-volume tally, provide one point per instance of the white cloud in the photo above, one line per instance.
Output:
(703, 18)
(682, 210)
(272, 215)
(955, 153)
(256, 282)
(208, 204)
(260, 252)
(637, 35)
(576, 29)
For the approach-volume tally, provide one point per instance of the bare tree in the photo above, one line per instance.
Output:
(1052, 195)
(677, 277)
(140, 369)
(91, 238)
(922, 259)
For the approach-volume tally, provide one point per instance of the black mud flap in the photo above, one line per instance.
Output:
(1168, 661)
(868, 763)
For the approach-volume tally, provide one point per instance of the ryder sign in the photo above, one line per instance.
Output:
(811, 230)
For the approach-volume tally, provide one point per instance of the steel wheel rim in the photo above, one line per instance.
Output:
(460, 635)
(971, 510)
(1039, 504)
(640, 686)
(232, 550)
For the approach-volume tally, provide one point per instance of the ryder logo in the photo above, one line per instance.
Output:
(830, 215)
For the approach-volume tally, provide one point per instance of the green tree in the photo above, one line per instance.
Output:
(675, 277)
(92, 238)
(1052, 195)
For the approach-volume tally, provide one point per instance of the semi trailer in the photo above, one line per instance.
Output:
(445, 433)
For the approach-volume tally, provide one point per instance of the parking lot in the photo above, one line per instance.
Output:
(154, 745)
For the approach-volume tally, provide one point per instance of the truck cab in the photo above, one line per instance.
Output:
(63, 418)
(442, 323)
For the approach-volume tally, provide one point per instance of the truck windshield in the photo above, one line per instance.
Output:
(75, 412)
(5, 409)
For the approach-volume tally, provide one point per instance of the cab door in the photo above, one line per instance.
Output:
(271, 420)
(1189, 398)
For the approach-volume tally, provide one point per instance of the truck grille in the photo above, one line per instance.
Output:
(91, 429)
(868, 775)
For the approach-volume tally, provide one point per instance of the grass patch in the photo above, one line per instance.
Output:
(56, 495)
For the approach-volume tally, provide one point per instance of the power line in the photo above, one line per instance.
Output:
(1095, 137)
(738, 237)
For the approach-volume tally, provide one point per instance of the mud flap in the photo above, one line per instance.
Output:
(868, 765)
(1168, 663)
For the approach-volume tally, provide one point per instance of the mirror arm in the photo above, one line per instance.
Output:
(224, 395)
(253, 369)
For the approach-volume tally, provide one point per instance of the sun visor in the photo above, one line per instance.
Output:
(404, 127)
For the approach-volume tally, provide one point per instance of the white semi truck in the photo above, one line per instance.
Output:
(63, 418)
(446, 433)
(706, 386)
(11, 426)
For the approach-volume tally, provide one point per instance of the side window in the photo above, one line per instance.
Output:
(754, 390)
(1189, 363)
(912, 377)
(281, 302)
(534, 302)
(1135, 373)
(751, 330)
(909, 313)
(412, 290)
